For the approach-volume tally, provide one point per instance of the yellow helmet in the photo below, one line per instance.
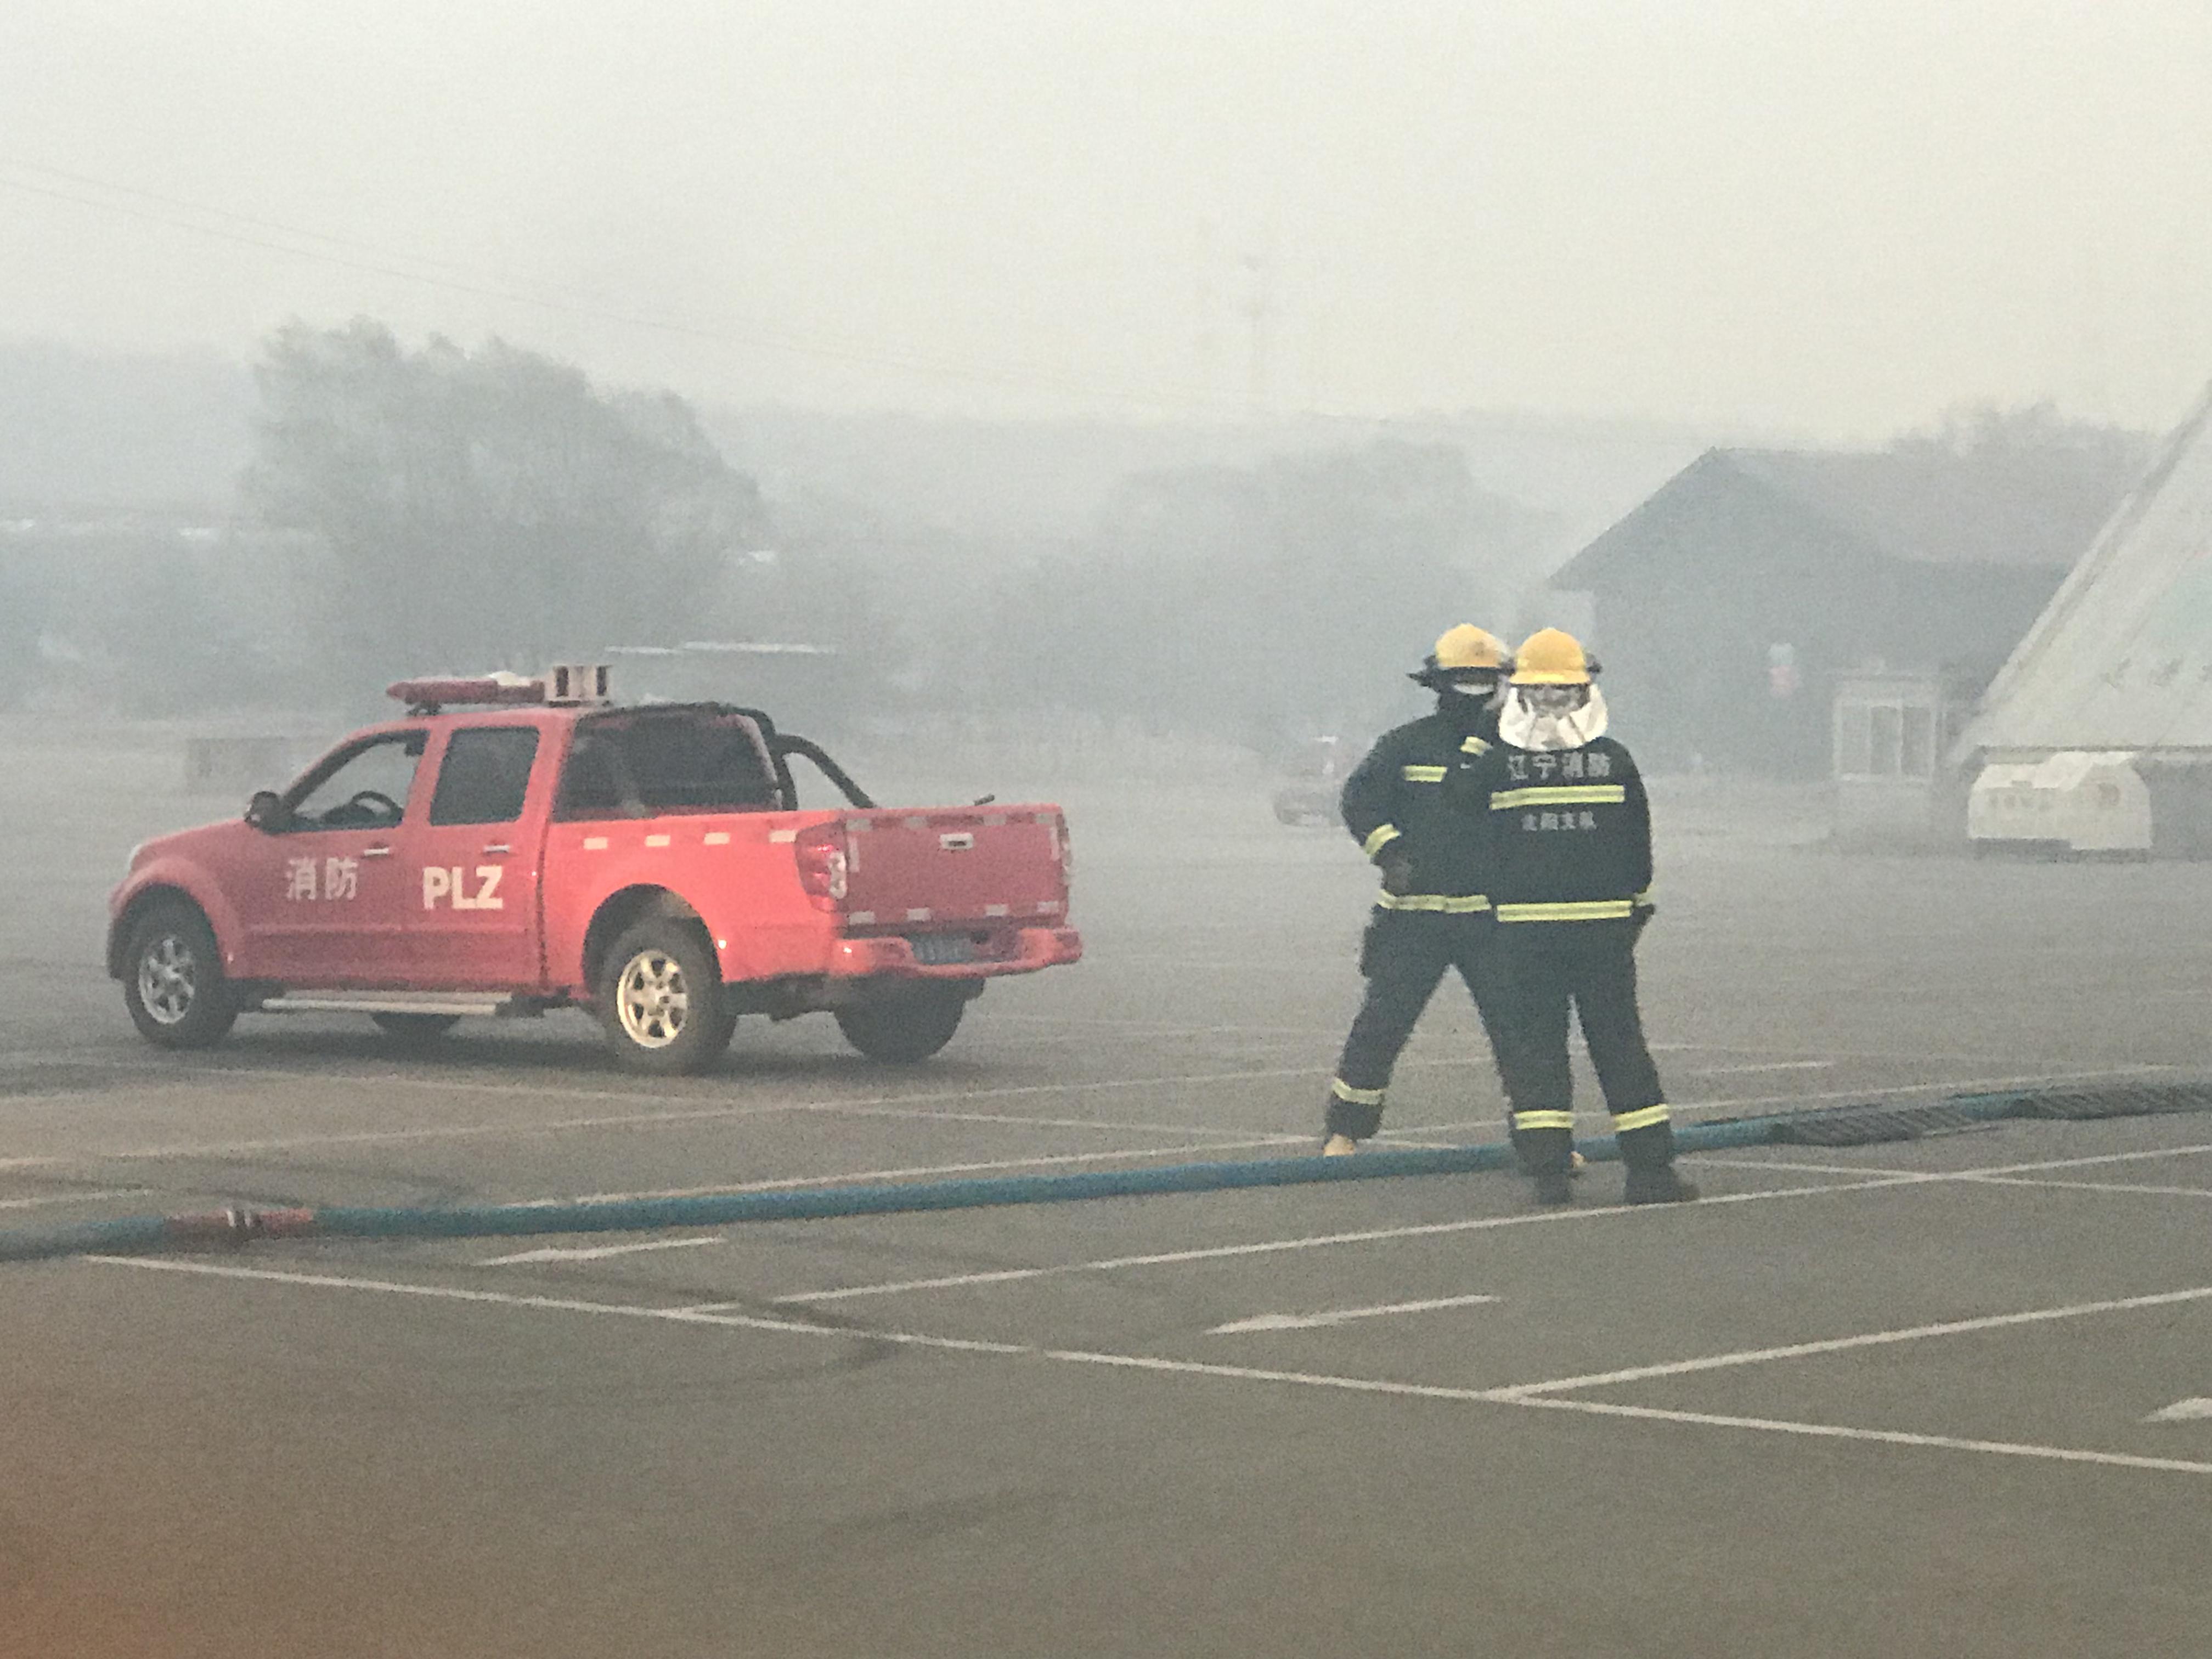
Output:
(1463, 649)
(1550, 657)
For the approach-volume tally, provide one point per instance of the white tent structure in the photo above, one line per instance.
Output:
(2113, 684)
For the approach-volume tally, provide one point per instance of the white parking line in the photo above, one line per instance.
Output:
(68, 1198)
(1860, 1179)
(1322, 1241)
(555, 1253)
(785, 1184)
(1842, 1344)
(553, 1304)
(2087, 1186)
(1882, 1437)
(1278, 1321)
(881, 1105)
(714, 1317)
(1766, 1066)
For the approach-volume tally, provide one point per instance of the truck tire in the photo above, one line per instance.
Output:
(899, 1027)
(173, 980)
(660, 1000)
(415, 1031)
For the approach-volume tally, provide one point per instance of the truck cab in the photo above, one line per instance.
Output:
(510, 847)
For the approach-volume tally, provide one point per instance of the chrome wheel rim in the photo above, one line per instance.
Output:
(169, 980)
(652, 1000)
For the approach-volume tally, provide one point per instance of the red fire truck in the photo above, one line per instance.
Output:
(514, 846)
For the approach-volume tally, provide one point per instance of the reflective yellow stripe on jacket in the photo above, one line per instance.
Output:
(1452, 904)
(1581, 910)
(1422, 774)
(1383, 835)
(1560, 795)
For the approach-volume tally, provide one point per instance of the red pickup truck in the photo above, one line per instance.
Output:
(514, 847)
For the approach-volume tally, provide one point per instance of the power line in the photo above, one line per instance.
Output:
(300, 243)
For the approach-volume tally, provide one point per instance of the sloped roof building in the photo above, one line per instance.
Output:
(1727, 604)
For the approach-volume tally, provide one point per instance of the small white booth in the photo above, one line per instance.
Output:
(2081, 800)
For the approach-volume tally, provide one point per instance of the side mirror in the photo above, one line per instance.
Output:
(265, 812)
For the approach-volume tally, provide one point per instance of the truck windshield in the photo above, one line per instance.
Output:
(642, 762)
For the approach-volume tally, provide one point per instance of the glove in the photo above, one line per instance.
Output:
(1397, 867)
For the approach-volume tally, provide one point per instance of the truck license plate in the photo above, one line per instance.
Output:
(942, 950)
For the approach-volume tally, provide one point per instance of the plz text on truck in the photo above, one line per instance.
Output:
(516, 845)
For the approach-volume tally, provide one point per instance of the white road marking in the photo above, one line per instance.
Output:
(1934, 1086)
(68, 1198)
(715, 1318)
(1277, 1322)
(1602, 1408)
(555, 1253)
(1320, 1241)
(2183, 1411)
(786, 1183)
(881, 1105)
(1841, 1344)
(1864, 1178)
(1882, 1437)
(2140, 1156)
(1791, 1166)
(2086, 1186)
(1766, 1065)
(554, 1304)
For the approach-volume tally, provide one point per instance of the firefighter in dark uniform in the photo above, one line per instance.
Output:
(1432, 912)
(1568, 873)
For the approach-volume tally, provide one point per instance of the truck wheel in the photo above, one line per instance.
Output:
(173, 982)
(897, 1028)
(660, 999)
(415, 1031)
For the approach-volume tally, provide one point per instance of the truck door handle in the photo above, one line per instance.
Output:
(497, 846)
(376, 851)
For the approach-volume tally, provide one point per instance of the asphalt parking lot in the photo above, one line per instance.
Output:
(1906, 1399)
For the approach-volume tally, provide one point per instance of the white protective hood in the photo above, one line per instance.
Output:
(1524, 728)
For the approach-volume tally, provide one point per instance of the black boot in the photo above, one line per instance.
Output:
(1658, 1184)
(1553, 1187)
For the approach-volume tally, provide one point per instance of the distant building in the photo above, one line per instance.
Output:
(1730, 605)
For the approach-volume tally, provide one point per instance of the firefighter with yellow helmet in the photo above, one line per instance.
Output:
(1568, 867)
(1433, 911)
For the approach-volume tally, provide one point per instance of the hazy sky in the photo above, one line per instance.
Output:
(1837, 218)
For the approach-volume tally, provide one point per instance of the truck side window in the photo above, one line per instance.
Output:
(676, 760)
(589, 788)
(365, 788)
(485, 774)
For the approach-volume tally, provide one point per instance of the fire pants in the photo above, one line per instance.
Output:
(1546, 968)
(1404, 956)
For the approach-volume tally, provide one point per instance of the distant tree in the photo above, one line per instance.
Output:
(22, 615)
(490, 508)
(2027, 435)
(1263, 604)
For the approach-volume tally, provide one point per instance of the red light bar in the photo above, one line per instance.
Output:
(433, 693)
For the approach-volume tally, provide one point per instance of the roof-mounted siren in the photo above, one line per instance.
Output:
(573, 685)
(428, 695)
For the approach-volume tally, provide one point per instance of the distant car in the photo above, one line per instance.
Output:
(1309, 794)
(514, 846)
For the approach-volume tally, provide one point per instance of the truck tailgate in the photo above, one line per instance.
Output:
(949, 866)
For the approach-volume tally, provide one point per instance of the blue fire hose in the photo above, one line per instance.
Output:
(142, 1235)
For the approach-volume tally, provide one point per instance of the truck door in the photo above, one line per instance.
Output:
(472, 863)
(319, 898)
